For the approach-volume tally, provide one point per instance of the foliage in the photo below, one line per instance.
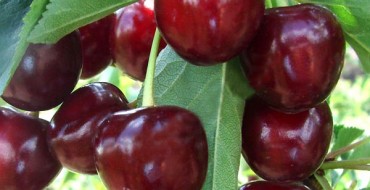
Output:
(62, 17)
(14, 32)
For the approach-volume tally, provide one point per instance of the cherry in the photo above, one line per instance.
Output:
(132, 38)
(46, 75)
(208, 32)
(296, 58)
(75, 123)
(285, 147)
(152, 148)
(95, 42)
(268, 185)
(25, 160)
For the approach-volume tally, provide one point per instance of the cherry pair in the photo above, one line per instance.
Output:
(293, 64)
(161, 147)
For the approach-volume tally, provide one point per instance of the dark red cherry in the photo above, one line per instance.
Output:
(132, 38)
(25, 160)
(296, 59)
(74, 125)
(95, 42)
(152, 148)
(46, 75)
(208, 32)
(268, 185)
(285, 147)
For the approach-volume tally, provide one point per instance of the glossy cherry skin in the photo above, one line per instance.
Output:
(268, 185)
(285, 147)
(296, 59)
(132, 39)
(74, 125)
(46, 75)
(96, 47)
(152, 148)
(25, 159)
(207, 32)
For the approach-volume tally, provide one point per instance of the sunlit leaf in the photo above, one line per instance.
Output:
(346, 136)
(64, 16)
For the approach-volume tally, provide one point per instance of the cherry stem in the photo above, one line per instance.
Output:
(312, 183)
(132, 104)
(334, 154)
(356, 164)
(323, 182)
(148, 92)
(33, 113)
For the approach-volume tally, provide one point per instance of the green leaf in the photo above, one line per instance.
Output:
(216, 94)
(278, 3)
(336, 130)
(346, 136)
(13, 33)
(354, 17)
(361, 152)
(64, 16)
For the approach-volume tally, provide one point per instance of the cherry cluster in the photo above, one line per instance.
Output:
(95, 131)
(292, 57)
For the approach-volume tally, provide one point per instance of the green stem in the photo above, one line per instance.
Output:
(345, 149)
(359, 164)
(33, 113)
(312, 183)
(357, 167)
(133, 104)
(148, 94)
(323, 182)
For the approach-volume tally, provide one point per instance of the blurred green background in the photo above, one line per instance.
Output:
(350, 104)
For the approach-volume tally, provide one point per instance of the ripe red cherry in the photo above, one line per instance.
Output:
(296, 59)
(46, 75)
(208, 32)
(268, 185)
(285, 147)
(74, 125)
(152, 148)
(132, 39)
(25, 160)
(95, 42)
